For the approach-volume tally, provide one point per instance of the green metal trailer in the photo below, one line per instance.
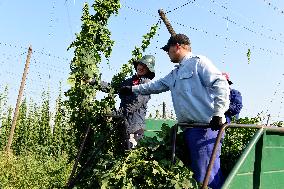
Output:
(154, 125)
(261, 165)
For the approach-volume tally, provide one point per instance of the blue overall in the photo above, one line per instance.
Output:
(200, 144)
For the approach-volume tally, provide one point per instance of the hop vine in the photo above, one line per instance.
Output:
(248, 56)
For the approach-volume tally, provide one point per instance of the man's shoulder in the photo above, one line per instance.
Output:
(201, 60)
(201, 57)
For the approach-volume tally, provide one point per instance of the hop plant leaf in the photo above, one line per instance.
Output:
(248, 56)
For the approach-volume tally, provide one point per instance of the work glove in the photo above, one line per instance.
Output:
(216, 123)
(228, 113)
(125, 90)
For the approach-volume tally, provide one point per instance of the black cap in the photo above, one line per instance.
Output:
(176, 39)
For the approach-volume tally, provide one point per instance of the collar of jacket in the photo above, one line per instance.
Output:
(186, 57)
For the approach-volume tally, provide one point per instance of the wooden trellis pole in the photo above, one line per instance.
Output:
(166, 22)
(16, 113)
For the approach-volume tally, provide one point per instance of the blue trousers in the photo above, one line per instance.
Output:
(200, 143)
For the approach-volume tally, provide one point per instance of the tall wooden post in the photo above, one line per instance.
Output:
(16, 113)
(166, 22)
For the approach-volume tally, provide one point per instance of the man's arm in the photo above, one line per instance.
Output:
(154, 87)
(140, 100)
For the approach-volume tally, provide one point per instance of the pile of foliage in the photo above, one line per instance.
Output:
(147, 166)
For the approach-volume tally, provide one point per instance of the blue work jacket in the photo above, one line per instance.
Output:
(198, 90)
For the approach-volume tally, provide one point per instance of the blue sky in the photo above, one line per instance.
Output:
(221, 30)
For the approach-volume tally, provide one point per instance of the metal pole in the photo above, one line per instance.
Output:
(166, 22)
(16, 113)
(268, 117)
(164, 110)
(174, 130)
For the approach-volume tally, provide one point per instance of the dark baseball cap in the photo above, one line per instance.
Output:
(176, 39)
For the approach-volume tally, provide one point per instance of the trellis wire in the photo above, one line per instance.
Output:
(280, 11)
(232, 21)
(247, 45)
(243, 17)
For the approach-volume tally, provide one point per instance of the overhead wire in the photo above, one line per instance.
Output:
(41, 51)
(275, 8)
(139, 11)
(247, 45)
(36, 77)
(252, 46)
(277, 94)
(251, 22)
(68, 18)
(181, 6)
(52, 19)
(226, 37)
(225, 44)
(232, 21)
(157, 36)
(47, 53)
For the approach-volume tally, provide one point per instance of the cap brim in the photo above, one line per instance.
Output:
(166, 48)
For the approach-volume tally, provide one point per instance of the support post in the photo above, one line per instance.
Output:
(164, 110)
(166, 22)
(16, 113)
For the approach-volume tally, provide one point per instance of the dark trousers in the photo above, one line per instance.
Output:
(200, 143)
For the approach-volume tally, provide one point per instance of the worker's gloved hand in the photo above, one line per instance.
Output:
(125, 90)
(216, 123)
(227, 113)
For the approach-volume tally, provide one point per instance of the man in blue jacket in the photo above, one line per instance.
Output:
(200, 94)
(235, 102)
